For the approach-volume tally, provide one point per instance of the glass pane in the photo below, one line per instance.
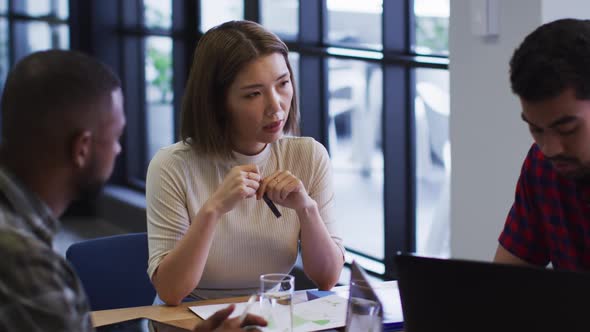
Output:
(34, 7)
(3, 6)
(159, 93)
(4, 63)
(281, 17)
(36, 36)
(294, 61)
(158, 13)
(58, 8)
(432, 26)
(354, 132)
(215, 12)
(355, 23)
(60, 35)
(433, 162)
(62, 8)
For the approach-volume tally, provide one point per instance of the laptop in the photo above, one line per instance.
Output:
(460, 295)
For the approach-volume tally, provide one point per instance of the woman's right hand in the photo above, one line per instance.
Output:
(240, 183)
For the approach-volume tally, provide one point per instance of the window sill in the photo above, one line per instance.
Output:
(123, 207)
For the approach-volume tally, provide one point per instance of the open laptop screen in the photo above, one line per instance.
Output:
(460, 295)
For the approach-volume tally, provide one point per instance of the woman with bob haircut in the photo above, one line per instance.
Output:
(211, 234)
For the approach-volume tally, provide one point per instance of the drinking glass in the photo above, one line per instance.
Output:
(276, 301)
(364, 311)
(363, 315)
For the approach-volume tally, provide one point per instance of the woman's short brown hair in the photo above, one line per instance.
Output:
(221, 53)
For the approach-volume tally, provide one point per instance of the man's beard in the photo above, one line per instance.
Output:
(90, 190)
(581, 173)
(89, 183)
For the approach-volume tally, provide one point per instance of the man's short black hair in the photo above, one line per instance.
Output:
(46, 87)
(554, 57)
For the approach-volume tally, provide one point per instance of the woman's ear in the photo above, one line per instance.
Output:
(81, 148)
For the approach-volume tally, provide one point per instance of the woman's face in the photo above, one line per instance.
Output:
(258, 103)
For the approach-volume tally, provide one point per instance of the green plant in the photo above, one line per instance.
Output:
(433, 33)
(162, 63)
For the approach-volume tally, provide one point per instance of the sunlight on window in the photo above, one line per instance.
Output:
(294, 61)
(356, 150)
(281, 17)
(353, 23)
(433, 161)
(159, 94)
(37, 8)
(3, 50)
(432, 8)
(215, 12)
(432, 26)
(365, 6)
(42, 36)
(46, 7)
(158, 14)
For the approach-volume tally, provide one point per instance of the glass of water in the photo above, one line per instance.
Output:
(276, 301)
(363, 316)
(364, 310)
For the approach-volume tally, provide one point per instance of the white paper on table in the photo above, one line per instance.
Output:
(319, 314)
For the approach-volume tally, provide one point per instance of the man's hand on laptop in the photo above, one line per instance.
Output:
(220, 322)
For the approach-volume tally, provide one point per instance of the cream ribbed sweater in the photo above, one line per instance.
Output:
(249, 240)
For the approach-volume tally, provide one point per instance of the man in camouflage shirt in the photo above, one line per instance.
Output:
(62, 117)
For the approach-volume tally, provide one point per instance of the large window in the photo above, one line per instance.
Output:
(373, 79)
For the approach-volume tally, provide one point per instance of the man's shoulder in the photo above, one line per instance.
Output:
(23, 254)
(15, 232)
(30, 265)
(14, 240)
(38, 290)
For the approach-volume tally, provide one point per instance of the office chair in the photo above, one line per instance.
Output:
(113, 270)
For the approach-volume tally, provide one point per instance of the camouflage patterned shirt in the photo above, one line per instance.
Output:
(39, 290)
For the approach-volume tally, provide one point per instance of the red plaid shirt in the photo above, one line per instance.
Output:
(550, 218)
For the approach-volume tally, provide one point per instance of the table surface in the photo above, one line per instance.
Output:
(180, 315)
(174, 315)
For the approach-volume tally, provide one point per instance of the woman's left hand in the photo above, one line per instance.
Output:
(285, 189)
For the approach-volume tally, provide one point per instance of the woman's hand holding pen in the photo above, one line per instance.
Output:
(240, 183)
(285, 189)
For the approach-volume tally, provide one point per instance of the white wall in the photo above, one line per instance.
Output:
(556, 9)
(488, 139)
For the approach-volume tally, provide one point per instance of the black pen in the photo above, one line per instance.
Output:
(271, 205)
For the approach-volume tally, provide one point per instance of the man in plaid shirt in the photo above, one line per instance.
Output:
(549, 221)
(62, 117)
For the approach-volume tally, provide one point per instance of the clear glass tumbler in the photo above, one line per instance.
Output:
(276, 301)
